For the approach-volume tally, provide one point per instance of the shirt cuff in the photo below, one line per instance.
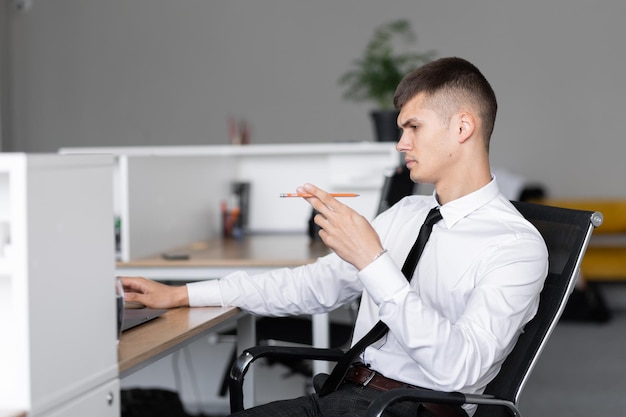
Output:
(382, 279)
(204, 293)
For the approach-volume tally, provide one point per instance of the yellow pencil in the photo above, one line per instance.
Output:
(310, 195)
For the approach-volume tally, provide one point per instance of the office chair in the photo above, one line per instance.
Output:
(274, 332)
(566, 233)
(397, 184)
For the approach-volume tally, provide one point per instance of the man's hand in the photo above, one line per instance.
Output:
(344, 230)
(153, 294)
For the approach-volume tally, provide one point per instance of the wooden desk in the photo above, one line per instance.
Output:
(218, 257)
(142, 345)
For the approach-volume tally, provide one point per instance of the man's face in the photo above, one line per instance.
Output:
(426, 141)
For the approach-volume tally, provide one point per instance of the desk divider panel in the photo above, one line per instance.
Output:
(271, 175)
(169, 196)
(171, 201)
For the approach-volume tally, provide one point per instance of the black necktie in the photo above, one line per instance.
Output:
(380, 329)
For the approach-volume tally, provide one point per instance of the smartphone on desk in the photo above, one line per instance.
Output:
(170, 256)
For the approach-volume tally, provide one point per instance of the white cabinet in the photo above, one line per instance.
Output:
(57, 302)
(104, 401)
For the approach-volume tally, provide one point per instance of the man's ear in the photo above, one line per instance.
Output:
(466, 124)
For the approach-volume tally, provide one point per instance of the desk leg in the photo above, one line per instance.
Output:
(246, 337)
(321, 339)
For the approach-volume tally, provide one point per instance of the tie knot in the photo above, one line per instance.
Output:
(434, 215)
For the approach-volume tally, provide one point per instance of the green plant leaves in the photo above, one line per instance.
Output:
(375, 76)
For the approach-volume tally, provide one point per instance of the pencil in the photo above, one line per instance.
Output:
(311, 195)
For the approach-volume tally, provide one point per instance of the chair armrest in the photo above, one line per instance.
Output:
(386, 399)
(248, 356)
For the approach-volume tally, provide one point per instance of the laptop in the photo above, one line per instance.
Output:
(134, 316)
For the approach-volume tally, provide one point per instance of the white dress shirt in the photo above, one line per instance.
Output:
(475, 286)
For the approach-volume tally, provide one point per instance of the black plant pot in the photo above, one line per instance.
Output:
(386, 125)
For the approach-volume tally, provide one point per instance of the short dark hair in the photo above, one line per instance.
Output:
(450, 81)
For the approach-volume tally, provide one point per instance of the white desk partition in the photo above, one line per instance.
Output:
(169, 196)
(169, 201)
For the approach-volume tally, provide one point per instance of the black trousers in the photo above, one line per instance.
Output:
(350, 400)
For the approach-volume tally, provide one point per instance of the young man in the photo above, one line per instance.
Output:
(477, 282)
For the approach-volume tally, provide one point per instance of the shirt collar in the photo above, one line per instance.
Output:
(457, 209)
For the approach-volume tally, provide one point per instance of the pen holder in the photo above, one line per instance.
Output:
(231, 223)
(235, 218)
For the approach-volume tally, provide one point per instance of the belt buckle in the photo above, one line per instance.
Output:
(369, 378)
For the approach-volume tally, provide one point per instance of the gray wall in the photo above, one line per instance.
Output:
(160, 72)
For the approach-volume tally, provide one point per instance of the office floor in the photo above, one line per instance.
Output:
(582, 371)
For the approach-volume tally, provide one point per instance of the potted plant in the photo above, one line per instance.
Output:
(375, 76)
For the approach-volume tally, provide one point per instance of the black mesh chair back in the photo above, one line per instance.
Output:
(396, 185)
(566, 234)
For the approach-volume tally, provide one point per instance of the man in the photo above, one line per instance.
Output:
(477, 282)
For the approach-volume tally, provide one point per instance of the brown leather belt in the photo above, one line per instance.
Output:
(366, 377)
